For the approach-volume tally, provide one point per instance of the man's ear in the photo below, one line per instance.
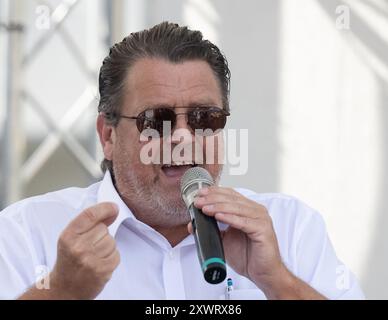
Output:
(107, 136)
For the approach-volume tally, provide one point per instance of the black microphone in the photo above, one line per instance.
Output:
(206, 233)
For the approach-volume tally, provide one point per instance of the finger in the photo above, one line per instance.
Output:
(113, 260)
(214, 197)
(104, 247)
(219, 194)
(217, 189)
(245, 224)
(236, 208)
(95, 234)
(105, 212)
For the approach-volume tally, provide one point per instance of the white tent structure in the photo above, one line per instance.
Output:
(51, 52)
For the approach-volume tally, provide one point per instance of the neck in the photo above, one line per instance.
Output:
(174, 235)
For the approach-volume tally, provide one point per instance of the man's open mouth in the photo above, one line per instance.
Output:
(177, 169)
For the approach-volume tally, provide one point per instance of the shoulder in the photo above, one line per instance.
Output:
(57, 206)
(305, 245)
(293, 220)
(282, 206)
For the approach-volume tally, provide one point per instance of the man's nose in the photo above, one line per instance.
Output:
(181, 131)
(181, 121)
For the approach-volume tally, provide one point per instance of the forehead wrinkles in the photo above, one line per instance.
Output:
(163, 82)
(174, 74)
(174, 98)
(156, 89)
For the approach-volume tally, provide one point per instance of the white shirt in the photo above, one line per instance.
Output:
(150, 268)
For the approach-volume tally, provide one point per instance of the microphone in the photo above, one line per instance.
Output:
(206, 233)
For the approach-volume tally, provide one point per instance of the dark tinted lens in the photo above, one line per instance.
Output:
(207, 118)
(153, 119)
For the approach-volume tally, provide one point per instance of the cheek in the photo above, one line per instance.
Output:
(126, 149)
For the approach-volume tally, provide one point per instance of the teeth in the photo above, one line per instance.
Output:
(179, 164)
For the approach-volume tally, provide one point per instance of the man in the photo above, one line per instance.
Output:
(128, 237)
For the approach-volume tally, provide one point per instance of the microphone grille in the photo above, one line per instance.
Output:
(195, 174)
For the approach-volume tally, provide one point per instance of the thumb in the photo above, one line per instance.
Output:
(115, 212)
(105, 212)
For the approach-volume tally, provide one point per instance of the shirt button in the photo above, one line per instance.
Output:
(171, 254)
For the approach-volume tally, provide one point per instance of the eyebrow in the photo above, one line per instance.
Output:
(204, 103)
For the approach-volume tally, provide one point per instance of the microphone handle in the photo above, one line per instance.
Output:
(209, 246)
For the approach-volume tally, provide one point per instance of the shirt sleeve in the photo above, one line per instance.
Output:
(18, 263)
(317, 263)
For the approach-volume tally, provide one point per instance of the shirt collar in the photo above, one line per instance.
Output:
(108, 193)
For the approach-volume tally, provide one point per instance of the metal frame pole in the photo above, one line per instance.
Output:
(13, 136)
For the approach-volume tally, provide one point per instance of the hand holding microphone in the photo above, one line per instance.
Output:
(250, 241)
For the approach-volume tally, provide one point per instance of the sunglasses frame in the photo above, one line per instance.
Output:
(142, 115)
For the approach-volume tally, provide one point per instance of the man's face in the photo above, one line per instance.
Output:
(152, 191)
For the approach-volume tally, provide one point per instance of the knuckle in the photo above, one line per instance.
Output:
(101, 271)
(102, 229)
(211, 198)
(204, 198)
(117, 259)
(86, 263)
(246, 221)
(231, 190)
(106, 276)
(77, 250)
(234, 197)
(109, 245)
(65, 242)
(64, 239)
(219, 207)
(112, 242)
(114, 260)
(267, 223)
(108, 240)
(90, 214)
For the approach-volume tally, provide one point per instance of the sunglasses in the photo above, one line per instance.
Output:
(202, 118)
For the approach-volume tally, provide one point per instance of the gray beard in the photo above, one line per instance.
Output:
(152, 207)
